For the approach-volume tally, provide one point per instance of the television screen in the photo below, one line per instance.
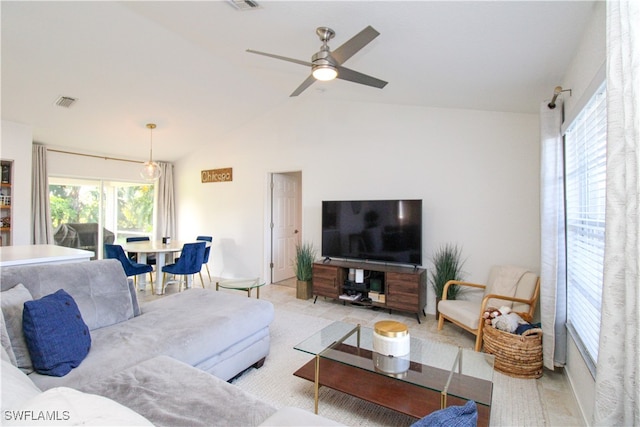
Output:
(373, 230)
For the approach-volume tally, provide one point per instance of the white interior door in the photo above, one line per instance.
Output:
(286, 194)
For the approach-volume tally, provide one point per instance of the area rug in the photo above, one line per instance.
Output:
(516, 402)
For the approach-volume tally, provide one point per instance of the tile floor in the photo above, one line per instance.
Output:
(553, 388)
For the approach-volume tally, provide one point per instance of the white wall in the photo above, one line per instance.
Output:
(590, 56)
(477, 173)
(16, 146)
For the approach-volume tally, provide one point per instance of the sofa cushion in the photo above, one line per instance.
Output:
(12, 303)
(16, 387)
(134, 297)
(171, 393)
(6, 342)
(57, 337)
(465, 312)
(66, 406)
(100, 288)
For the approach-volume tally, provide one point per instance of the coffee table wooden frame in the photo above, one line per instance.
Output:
(384, 390)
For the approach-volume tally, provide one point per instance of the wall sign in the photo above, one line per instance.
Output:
(217, 175)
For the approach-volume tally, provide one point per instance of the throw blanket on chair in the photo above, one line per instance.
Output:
(505, 283)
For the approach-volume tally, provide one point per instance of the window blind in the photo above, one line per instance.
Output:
(585, 176)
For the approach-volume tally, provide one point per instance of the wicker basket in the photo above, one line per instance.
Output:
(518, 356)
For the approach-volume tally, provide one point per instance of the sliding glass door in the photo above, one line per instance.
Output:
(87, 213)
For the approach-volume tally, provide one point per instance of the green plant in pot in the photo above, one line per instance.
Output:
(303, 264)
(447, 265)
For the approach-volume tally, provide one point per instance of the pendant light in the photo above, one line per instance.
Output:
(150, 170)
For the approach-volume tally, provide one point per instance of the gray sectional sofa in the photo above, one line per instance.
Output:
(217, 332)
(167, 360)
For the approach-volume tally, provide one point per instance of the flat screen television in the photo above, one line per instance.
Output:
(386, 231)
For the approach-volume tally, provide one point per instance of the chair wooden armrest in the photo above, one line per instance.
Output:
(461, 283)
(504, 297)
(530, 302)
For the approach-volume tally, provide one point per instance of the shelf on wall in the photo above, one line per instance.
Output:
(6, 199)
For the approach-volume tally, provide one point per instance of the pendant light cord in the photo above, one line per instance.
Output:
(151, 127)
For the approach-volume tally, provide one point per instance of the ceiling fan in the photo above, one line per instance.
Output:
(327, 65)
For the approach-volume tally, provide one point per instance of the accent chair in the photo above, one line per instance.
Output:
(190, 262)
(509, 286)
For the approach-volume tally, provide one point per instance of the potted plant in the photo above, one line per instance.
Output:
(447, 265)
(303, 264)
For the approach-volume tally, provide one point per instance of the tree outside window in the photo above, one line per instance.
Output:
(122, 209)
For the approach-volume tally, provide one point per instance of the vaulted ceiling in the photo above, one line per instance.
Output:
(184, 65)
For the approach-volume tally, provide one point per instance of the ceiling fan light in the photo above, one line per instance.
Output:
(324, 72)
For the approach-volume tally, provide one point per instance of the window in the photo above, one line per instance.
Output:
(133, 210)
(79, 205)
(585, 175)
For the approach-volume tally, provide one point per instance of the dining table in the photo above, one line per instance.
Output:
(165, 253)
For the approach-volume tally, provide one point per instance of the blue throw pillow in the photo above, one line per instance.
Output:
(57, 337)
(453, 416)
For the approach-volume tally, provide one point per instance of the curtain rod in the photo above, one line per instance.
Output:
(557, 91)
(93, 155)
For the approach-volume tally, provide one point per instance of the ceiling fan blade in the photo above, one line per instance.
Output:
(284, 58)
(356, 77)
(354, 44)
(305, 84)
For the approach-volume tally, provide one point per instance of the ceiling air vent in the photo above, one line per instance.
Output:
(65, 101)
(244, 4)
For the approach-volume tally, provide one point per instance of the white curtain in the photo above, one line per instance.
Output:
(552, 269)
(617, 399)
(41, 230)
(166, 209)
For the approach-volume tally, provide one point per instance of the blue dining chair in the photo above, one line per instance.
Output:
(151, 258)
(207, 251)
(190, 262)
(131, 268)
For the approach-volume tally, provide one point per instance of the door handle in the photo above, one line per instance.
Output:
(295, 231)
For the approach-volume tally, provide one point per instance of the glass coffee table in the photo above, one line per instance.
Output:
(433, 376)
(242, 285)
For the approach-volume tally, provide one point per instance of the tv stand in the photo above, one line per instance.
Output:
(401, 288)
